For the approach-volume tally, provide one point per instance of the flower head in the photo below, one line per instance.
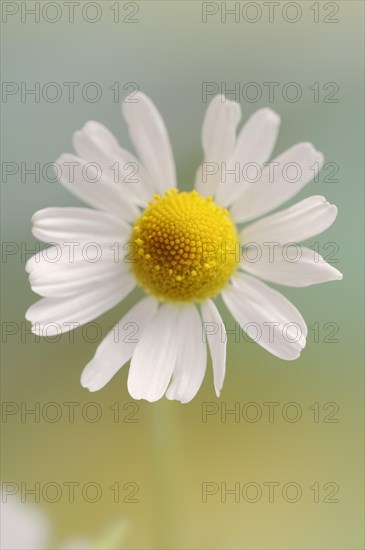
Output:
(179, 240)
(183, 248)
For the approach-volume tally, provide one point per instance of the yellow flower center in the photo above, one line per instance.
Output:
(186, 247)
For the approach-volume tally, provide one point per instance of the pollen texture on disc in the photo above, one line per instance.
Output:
(184, 247)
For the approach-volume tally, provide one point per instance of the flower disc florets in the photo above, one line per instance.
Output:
(184, 247)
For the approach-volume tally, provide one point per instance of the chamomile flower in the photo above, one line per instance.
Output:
(183, 248)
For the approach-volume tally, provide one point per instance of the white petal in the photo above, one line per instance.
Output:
(66, 279)
(75, 253)
(84, 225)
(219, 128)
(87, 255)
(191, 358)
(254, 145)
(101, 135)
(289, 265)
(155, 356)
(150, 138)
(297, 223)
(86, 181)
(49, 254)
(266, 316)
(78, 253)
(218, 140)
(52, 316)
(95, 143)
(283, 178)
(118, 346)
(215, 333)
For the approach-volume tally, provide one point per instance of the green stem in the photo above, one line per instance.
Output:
(168, 475)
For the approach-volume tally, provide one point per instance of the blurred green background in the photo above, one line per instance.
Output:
(170, 452)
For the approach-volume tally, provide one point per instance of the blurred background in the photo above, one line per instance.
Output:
(165, 470)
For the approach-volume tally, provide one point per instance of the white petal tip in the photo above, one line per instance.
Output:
(138, 397)
(37, 214)
(294, 358)
(91, 388)
(221, 98)
(76, 137)
(91, 125)
(181, 399)
(35, 329)
(84, 380)
(28, 316)
(328, 207)
(148, 398)
(335, 274)
(311, 150)
(309, 146)
(63, 158)
(176, 398)
(298, 351)
(90, 379)
(332, 207)
(132, 98)
(271, 115)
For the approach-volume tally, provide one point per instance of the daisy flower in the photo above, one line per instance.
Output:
(182, 248)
